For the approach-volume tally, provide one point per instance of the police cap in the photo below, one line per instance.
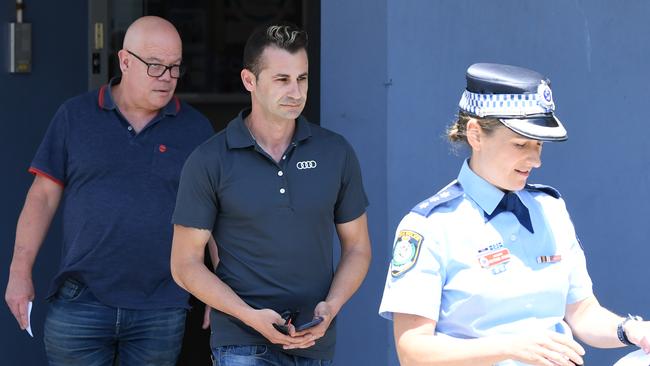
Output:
(520, 98)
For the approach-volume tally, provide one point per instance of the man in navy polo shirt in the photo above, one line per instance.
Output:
(113, 158)
(272, 188)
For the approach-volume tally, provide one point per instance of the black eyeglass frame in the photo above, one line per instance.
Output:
(179, 67)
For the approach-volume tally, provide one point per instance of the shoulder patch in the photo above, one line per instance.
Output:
(543, 188)
(451, 191)
(405, 252)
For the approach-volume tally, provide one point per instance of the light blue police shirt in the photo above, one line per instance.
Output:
(478, 278)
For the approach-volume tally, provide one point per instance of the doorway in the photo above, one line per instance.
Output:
(213, 34)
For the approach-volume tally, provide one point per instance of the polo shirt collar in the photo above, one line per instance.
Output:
(303, 130)
(238, 135)
(106, 101)
(486, 195)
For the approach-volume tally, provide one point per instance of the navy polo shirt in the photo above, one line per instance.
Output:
(119, 194)
(273, 221)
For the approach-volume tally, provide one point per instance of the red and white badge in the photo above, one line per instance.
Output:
(492, 259)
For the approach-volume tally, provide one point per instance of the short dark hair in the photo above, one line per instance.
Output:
(285, 36)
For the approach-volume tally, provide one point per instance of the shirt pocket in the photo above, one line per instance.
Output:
(167, 163)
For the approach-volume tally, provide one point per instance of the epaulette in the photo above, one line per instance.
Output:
(451, 191)
(543, 188)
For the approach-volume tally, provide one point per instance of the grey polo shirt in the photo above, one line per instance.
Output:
(273, 221)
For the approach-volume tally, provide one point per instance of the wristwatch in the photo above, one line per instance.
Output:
(620, 330)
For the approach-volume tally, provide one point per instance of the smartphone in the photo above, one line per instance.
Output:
(317, 320)
(285, 330)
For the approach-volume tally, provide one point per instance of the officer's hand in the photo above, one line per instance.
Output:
(323, 310)
(262, 321)
(638, 332)
(546, 349)
(20, 291)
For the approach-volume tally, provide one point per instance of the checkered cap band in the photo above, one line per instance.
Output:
(507, 105)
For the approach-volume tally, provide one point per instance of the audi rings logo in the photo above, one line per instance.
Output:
(307, 164)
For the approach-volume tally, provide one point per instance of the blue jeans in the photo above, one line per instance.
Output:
(79, 330)
(260, 355)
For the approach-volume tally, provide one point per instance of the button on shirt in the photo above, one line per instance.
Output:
(478, 278)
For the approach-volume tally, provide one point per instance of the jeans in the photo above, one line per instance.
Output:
(79, 330)
(260, 355)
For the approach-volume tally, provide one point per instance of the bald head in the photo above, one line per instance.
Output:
(149, 41)
(152, 32)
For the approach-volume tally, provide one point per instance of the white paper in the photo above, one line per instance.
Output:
(29, 319)
(636, 358)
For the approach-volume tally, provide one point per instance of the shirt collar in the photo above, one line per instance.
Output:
(106, 101)
(238, 135)
(486, 195)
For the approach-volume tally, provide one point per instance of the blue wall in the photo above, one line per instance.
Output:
(27, 103)
(596, 55)
(353, 102)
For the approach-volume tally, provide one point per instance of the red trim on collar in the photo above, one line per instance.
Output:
(43, 174)
(102, 90)
(178, 104)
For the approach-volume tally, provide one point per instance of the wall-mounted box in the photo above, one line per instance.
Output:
(20, 47)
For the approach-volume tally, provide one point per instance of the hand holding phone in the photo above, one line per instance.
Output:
(289, 317)
(281, 328)
(284, 329)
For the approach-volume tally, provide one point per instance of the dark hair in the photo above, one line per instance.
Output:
(285, 36)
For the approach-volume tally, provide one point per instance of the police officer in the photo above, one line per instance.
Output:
(488, 270)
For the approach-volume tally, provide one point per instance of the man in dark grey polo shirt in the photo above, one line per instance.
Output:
(272, 188)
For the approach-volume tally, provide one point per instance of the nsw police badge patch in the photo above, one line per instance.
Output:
(405, 252)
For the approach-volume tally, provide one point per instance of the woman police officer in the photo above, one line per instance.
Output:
(489, 271)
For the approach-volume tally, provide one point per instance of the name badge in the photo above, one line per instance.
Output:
(495, 261)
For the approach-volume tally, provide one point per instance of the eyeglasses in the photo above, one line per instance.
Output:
(158, 70)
